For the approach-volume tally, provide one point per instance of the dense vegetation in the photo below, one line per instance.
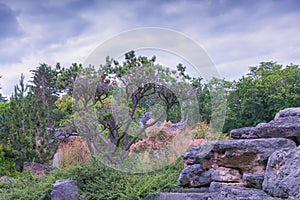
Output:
(29, 118)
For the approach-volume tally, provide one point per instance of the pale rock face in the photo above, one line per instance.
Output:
(249, 156)
(282, 178)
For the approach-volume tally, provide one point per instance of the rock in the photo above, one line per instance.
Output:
(226, 193)
(216, 186)
(190, 190)
(7, 179)
(223, 174)
(286, 124)
(36, 169)
(64, 190)
(288, 112)
(194, 176)
(248, 156)
(182, 196)
(240, 193)
(282, 178)
(253, 180)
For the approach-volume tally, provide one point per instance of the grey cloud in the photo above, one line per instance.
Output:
(8, 23)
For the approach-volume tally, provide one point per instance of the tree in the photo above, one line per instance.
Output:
(44, 85)
(258, 96)
(109, 120)
(66, 77)
(24, 128)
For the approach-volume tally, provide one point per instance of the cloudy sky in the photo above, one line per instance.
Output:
(235, 34)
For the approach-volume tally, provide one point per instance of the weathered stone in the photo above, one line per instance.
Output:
(253, 180)
(190, 190)
(216, 186)
(36, 169)
(7, 179)
(282, 178)
(223, 174)
(240, 193)
(286, 124)
(194, 176)
(64, 190)
(288, 112)
(182, 196)
(249, 156)
(226, 193)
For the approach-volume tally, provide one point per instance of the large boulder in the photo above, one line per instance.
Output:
(282, 177)
(64, 190)
(286, 124)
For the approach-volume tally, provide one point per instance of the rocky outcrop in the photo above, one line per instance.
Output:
(229, 160)
(282, 178)
(286, 124)
(64, 190)
(261, 163)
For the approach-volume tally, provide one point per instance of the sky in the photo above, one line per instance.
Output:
(235, 34)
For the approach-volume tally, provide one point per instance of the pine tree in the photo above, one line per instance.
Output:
(24, 128)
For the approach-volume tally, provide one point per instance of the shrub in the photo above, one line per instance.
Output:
(73, 151)
(27, 187)
(7, 165)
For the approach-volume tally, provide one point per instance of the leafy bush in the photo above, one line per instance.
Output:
(7, 165)
(96, 181)
(27, 187)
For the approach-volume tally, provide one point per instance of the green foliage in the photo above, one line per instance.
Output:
(122, 93)
(24, 128)
(66, 77)
(65, 108)
(44, 85)
(259, 95)
(27, 187)
(7, 165)
(96, 181)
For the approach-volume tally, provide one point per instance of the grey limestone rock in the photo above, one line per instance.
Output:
(253, 180)
(64, 190)
(282, 178)
(248, 156)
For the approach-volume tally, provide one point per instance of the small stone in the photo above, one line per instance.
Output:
(216, 186)
(64, 190)
(253, 180)
(223, 174)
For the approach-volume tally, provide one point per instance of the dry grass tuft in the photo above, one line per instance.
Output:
(73, 151)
